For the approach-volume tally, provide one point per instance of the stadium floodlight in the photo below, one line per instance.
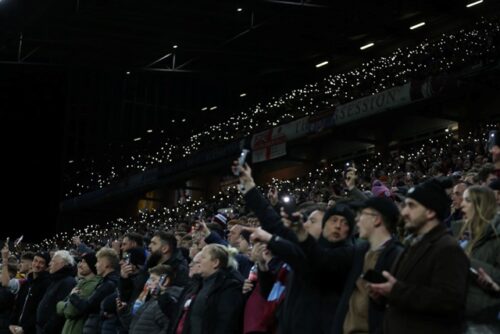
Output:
(474, 3)
(369, 45)
(321, 64)
(418, 25)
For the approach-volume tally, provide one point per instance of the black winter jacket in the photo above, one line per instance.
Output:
(223, 312)
(6, 302)
(47, 319)
(28, 298)
(311, 298)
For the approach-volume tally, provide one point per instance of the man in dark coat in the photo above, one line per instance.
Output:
(62, 276)
(311, 298)
(427, 289)
(163, 250)
(30, 295)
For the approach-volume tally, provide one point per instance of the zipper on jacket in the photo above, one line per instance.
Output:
(25, 302)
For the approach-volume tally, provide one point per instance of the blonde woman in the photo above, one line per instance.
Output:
(478, 235)
(216, 305)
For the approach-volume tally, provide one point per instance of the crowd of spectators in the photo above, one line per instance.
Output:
(406, 241)
(472, 45)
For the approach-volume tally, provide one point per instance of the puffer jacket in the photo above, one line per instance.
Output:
(149, 318)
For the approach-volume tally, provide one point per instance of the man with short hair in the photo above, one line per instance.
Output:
(61, 269)
(313, 224)
(233, 236)
(163, 248)
(30, 295)
(131, 240)
(456, 199)
(24, 267)
(106, 265)
(426, 291)
(486, 174)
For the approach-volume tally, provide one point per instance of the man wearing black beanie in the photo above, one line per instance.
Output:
(427, 289)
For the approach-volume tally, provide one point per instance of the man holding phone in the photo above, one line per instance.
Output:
(376, 221)
(356, 311)
(427, 288)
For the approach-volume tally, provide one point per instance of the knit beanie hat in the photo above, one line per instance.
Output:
(340, 209)
(380, 190)
(91, 260)
(220, 219)
(432, 195)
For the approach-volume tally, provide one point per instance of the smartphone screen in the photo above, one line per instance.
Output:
(373, 276)
(241, 161)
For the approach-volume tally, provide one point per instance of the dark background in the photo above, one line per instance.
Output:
(32, 104)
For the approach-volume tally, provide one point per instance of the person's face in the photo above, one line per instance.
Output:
(38, 265)
(25, 266)
(336, 228)
(102, 266)
(491, 178)
(415, 215)
(83, 269)
(366, 222)
(234, 236)
(313, 224)
(127, 244)
(208, 266)
(456, 195)
(156, 247)
(495, 153)
(467, 206)
(467, 164)
(194, 266)
(56, 264)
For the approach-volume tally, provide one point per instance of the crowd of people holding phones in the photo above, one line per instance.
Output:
(407, 257)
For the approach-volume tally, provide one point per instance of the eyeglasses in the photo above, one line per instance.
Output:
(368, 213)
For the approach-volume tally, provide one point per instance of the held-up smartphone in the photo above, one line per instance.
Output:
(241, 161)
(373, 276)
(18, 241)
(161, 281)
(290, 207)
(126, 258)
(491, 139)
